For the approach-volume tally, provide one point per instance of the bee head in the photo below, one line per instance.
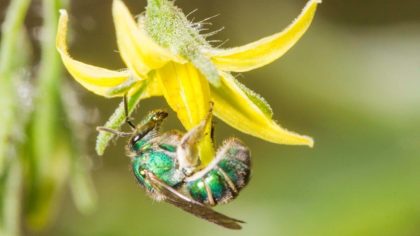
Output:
(147, 129)
(153, 119)
(157, 115)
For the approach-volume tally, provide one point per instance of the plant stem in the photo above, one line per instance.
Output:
(48, 85)
(10, 29)
(11, 199)
(10, 186)
(46, 182)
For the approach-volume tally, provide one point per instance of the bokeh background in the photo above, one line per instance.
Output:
(352, 82)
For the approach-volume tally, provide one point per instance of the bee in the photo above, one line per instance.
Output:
(167, 166)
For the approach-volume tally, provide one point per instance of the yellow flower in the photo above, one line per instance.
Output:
(166, 56)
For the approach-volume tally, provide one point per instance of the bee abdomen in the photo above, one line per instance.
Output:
(236, 163)
(227, 177)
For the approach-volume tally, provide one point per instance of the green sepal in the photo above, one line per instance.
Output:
(259, 101)
(118, 118)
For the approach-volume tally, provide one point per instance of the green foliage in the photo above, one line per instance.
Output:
(117, 119)
(259, 101)
(180, 35)
(356, 90)
(40, 144)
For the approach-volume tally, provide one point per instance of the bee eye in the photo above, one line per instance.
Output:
(159, 116)
(135, 141)
(136, 138)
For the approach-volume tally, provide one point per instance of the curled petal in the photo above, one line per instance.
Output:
(188, 93)
(247, 112)
(151, 90)
(95, 79)
(139, 52)
(265, 50)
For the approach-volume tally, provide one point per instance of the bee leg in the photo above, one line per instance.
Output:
(112, 131)
(231, 166)
(234, 151)
(127, 117)
(187, 152)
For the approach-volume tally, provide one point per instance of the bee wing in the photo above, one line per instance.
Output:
(189, 205)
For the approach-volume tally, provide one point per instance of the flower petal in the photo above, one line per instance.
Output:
(139, 52)
(188, 94)
(95, 79)
(249, 113)
(265, 50)
(152, 90)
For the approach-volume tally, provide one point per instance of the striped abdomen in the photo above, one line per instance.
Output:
(224, 177)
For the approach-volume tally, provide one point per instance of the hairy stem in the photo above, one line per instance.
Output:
(154, 3)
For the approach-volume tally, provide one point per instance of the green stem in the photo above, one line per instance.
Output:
(118, 118)
(11, 176)
(10, 222)
(10, 188)
(45, 133)
(12, 25)
(10, 28)
(48, 83)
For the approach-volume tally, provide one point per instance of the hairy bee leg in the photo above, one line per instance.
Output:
(231, 166)
(187, 152)
(241, 153)
(113, 131)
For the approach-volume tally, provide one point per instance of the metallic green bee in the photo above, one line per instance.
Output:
(167, 166)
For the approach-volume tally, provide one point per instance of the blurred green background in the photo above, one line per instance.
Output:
(352, 82)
